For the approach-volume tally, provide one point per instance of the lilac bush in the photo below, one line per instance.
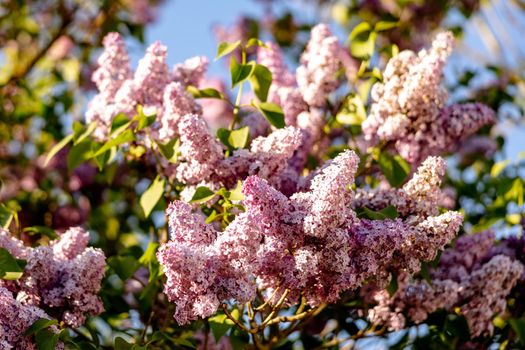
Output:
(305, 207)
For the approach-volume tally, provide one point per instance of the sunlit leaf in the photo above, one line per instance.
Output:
(202, 195)
(225, 48)
(10, 268)
(152, 195)
(56, 148)
(273, 113)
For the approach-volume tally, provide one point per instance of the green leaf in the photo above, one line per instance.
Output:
(255, 42)
(149, 255)
(152, 195)
(79, 153)
(498, 167)
(80, 134)
(142, 119)
(234, 139)
(121, 344)
(202, 195)
(385, 25)
(6, 216)
(119, 123)
(124, 265)
(40, 324)
(10, 268)
(395, 168)
(518, 325)
(362, 41)
(56, 148)
(225, 48)
(393, 285)
(260, 80)
(46, 340)
(273, 113)
(352, 112)
(389, 212)
(515, 193)
(126, 136)
(424, 272)
(170, 150)
(205, 93)
(236, 193)
(220, 324)
(240, 72)
(456, 326)
(43, 230)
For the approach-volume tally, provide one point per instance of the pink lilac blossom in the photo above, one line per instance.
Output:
(15, 319)
(201, 153)
(317, 76)
(486, 291)
(114, 69)
(192, 71)
(310, 243)
(152, 74)
(177, 102)
(151, 85)
(467, 278)
(203, 159)
(419, 196)
(64, 277)
(408, 107)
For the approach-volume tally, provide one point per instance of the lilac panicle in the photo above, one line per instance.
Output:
(63, 277)
(408, 107)
(320, 63)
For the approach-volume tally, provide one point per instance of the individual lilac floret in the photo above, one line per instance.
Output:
(177, 102)
(408, 107)
(15, 319)
(64, 277)
(192, 71)
(317, 75)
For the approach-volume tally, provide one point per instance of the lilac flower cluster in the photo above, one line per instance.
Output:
(283, 90)
(311, 243)
(15, 319)
(62, 278)
(468, 277)
(202, 158)
(408, 107)
(419, 196)
(151, 85)
(317, 76)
